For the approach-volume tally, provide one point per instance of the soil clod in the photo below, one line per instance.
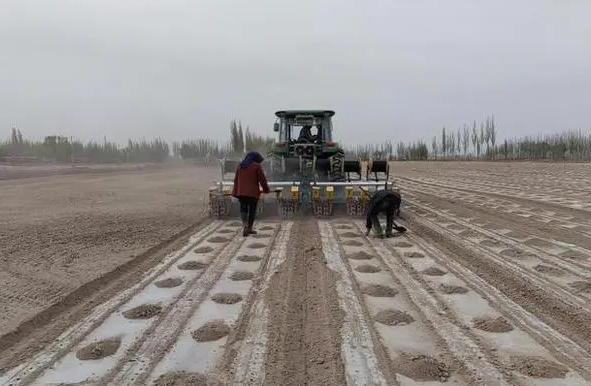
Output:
(205, 249)
(144, 311)
(242, 275)
(169, 283)
(192, 265)
(366, 268)
(393, 317)
(451, 289)
(211, 331)
(538, 367)
(226, 298)
(379, 290)
(434, 271)
(98, 350)
(181, 378)
(488, 324)
(422, 368)
(360, 256)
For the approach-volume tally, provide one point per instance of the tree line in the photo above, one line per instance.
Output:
(477, 141)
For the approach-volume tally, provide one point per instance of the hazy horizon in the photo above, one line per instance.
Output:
(391, 71)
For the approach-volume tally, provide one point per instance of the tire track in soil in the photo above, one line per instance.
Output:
(305, 319)
(564, 318)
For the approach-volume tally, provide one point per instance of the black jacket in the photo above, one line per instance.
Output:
(382, 201)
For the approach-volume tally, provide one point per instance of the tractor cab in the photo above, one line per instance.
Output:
(303, 132)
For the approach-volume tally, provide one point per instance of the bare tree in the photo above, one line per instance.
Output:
(434, 147)
(466, 139)
(443, 142)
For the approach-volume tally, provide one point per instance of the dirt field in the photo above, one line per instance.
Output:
(491, 285)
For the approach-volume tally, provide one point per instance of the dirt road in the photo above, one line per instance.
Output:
(490, 286)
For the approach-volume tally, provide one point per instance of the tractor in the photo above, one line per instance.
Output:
(308, 171)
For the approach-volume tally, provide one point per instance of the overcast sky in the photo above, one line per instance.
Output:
(392, 69)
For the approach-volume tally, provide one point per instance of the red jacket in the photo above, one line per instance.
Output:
(247, 180)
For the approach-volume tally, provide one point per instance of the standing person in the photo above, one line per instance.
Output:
(383, 201)
(249, 175)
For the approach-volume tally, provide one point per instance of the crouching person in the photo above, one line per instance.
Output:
(249, 175)
(383, 201)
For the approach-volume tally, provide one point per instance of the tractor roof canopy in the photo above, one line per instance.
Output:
(293, 113)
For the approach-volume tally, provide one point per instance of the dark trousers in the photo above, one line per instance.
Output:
(248, 210)
(389, 221)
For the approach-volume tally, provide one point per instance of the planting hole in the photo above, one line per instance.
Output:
(249, 258)
(343, 226)
(581, 286)
(538, 367)
(350, 234)
(403, 244)
(218, 239)
(169, 283)
(225, 230)
(379, 290)
(366, 268)
(422, 368)
(98, 350)
(488, 324)
(144, 311)
(360, 256)
(257, 246)
(552, 271)
(181, 378)
(205, 249)
(192, 265)
(451, 289)
(394, 318)
(242, 275)
(353, 243)
(226, 298)
(211, 331)
(434, 271)
(490, 243)
(261, 236)
(414, 255)
(266, 228)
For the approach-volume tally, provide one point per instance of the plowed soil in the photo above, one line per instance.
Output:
(117, 279)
